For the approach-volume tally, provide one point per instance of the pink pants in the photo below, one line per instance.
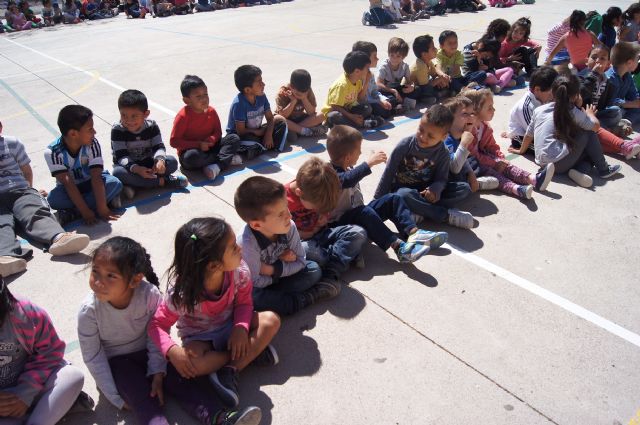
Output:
(501, 77)
(510, 179)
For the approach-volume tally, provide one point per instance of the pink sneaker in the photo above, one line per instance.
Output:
(631, 148)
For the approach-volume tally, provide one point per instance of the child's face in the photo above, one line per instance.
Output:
(598, 61)
(395, 59)
(107, 283)
(277, 221)
(430, 54)
(543, 96)
(86, 133)
(463, 119)
(632, 64)
(133, 118)
(518, 34)
(373, 57)
(428, 134)
(257, 88)
(359, 74)
(450, 45)
(198, 99)
(487, 110)
(232, 254)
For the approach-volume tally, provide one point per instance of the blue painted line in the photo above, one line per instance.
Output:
(28, 107)
(248, 43)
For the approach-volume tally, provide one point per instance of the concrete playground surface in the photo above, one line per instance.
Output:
(531, 317)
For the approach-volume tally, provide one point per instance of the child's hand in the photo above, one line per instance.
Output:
(511, 149)
(397, 95)
(483, 67)
(11, 405)
(266, 269)
(156, 387)
(182, 361)
(504, 135)
(501, 166)
(159, 167)
(386, 105)
(288, 256)
(144, 172)
(359, 120)
(238, 343)
(43, 193)
(322, 220)
(107, 214)
(89, 217)
(473, 182)
(430, 196)
(268, 141)
(204, 146)
(475, 53)
(377, 158)
(466, 140)
(590, 110)
(408, 89)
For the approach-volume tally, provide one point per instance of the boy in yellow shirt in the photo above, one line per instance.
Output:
(428, 79)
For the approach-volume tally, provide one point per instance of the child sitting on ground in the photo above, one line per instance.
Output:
(24, 205)
(463, 166)
(249, 108)
(377, 15)
(83, 188)
(518, 47)
(133, 10)
(139, 156)
(513, 180)
(430, 82)
(347, 98)
(284, 281)
(554, 34)
(624, 60)
(296, 102)
(16, 19)
(394, 75)
(115, 345)
(70, 12)
(344, 147)
(578, 41)
(538, 94)
(311, 198)
(209, 296)
(48, 14)
(483, 56)
(197, 133)
(610, 20)
(38, 385)
(418, 170)
(631, 29)
(381, 108)
(449, 60)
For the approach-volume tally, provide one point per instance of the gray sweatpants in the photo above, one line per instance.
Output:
(585, 153)
(31, 211)
(56, 398)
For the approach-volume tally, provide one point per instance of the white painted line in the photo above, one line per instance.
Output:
(553, 298)
(84, 71)
(280, 165)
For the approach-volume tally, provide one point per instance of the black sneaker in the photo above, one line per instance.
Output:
(67, 216)
(176, 182)
(248, 416)
(84, 403)
(610, 171)
(268, 357)
(325, 289)
(225, 382)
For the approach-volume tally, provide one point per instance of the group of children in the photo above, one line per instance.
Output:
(227, 292)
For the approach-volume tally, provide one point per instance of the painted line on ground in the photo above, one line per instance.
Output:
(28, 107)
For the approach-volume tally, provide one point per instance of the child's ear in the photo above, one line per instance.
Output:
(213, 266)
(135, 280)
(146, 113)
(185, 100)
(255, 224)
(299, 193)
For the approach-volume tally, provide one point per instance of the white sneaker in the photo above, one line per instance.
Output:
(496, 89)
(69, 243)
(488, 183)
(580, 179)
(460, 219)
(236, 160)
(211, 171)
(11, 265)
(128, 192)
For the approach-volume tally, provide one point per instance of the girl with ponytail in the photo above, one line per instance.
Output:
(610, 20)
(578, 41)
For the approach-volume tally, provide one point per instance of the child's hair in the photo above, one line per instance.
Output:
(624, 51)
(300, 80)
(440, 116)
(422, 44)
(612, 13)
(73, 117)
(189, 83)
(577, 21)
(133, 99)
(523, 23)
(446, 34)
(245, 75)
(341, 141)
(633, 9)
(498, 28)
(7, 301)
(364, 46)
(454, 104)
(398, 45)
(198, 243)
(46, 2)
(543, 77)
(128, 256)
(476, 94)
(319, 184)
(254, 195)
(564, 89)
(355, 60)
(489, 44)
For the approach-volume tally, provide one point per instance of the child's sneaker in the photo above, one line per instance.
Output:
(176, 182)
(211, 171)
(325, 289)
(623, 128)
(69, 243)
(496, 89)
(525, 191)
(116, 203)
(225, 382)
(268, 357)
(610, 171)
(630, 148)
(251, 415)
(83, 403)
(67, 216)
(544, 176)
(409, 104)
(408, 252)
(11, 265)
(426, 237)
(460, 219)
(318, 130)
(236, 160)
(359, 262)
(580, 179)
(488, 183)
(128, 192)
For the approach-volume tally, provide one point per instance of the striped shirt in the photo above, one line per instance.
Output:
(521, 115)
(12, 157)
(60, 160)
(136, 148)
(554, 35)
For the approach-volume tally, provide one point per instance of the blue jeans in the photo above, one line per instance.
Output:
(609, 117)
(135, 180)
(283, 296)
(633, 115)
(453, 193)
(334, 248)
(59, 198)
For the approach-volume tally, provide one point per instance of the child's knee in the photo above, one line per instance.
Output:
(270, 321)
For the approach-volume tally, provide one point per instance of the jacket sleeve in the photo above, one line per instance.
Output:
(94, 356)
(458, 159)
(251, 256)
(217, 129)
(441, 172)
(160, 326)
(243, 302)
(296, 246)
(156, 363)
(350, 178)
(177, 140)
(389, 173)
(486, 149)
